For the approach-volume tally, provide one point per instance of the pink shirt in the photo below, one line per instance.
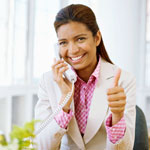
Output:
(82, 100)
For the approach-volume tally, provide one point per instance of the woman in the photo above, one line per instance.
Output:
(101, 111)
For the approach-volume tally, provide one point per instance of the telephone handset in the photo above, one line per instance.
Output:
(70, 75)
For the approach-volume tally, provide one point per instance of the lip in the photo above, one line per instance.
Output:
(77, 61)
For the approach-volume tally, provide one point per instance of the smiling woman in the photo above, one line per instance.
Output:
(101, 111)
(78, 48)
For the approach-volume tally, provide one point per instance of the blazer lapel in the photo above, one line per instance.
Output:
(73, 130)
(99, 106)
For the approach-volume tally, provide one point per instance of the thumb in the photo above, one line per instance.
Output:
(117, 77)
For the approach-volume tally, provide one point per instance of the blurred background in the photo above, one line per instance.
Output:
(27, 40)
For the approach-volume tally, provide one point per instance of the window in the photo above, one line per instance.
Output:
(3, 39)
(20, 42)
(148, 45)
(44, 37)
(27, 38)
(13, 46)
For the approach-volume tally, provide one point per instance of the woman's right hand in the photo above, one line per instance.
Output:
(58, 68)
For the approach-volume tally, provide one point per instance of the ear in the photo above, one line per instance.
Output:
(98, 38)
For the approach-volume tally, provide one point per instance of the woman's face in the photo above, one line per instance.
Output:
(77, 45)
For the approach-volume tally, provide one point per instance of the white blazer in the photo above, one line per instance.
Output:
(54, 137)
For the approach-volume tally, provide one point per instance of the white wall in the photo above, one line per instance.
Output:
(119, 23)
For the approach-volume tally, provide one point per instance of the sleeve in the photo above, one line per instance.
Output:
(64, 118)
(128, 82)
(115, 132)
(50, 137)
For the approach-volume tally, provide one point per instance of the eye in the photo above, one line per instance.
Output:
(62, 43)
(80, 39)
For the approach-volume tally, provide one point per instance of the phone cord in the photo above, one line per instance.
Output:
(47, 121)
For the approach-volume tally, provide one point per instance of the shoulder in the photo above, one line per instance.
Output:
(126, 78)
(125, 75)
(46, 78)
(128, 82)
(47, 75)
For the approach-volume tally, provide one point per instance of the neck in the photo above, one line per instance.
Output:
(85, 74)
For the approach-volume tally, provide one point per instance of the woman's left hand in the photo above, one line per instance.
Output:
(116, 99)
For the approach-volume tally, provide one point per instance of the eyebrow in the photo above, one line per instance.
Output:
(75, 36)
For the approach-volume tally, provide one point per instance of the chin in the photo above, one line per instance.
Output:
(78, 67)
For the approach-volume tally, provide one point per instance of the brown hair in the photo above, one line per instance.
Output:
(83, 14)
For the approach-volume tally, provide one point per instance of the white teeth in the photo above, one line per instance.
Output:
(76, 58)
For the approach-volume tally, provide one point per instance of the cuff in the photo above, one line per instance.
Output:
(64, 118)
(117, 131)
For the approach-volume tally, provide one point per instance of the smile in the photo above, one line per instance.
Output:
(76, 59)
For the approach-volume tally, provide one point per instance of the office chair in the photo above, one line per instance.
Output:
(141, 131)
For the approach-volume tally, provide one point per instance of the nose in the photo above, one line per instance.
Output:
(73, 48)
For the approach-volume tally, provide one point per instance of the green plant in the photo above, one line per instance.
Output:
(20, 138)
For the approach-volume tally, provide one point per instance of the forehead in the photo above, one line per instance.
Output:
(72, 29)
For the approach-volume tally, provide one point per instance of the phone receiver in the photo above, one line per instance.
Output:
(69, 74)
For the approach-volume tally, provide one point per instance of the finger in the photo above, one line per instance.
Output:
(116, 97)
(58, 69)
(117, 77)
(115, 90)
(67, 81)
(56, 63)
(60, 66)
(119, 103)
(56, 66)
(59, 76)
(117, 110)
(62, 70)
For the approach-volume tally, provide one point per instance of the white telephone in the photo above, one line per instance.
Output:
(71, 76)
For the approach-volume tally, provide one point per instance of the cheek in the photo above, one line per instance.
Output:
(89, 47)
(63, 53)
(85, 46)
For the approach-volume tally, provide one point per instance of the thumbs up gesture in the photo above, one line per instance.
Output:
(116, 99)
